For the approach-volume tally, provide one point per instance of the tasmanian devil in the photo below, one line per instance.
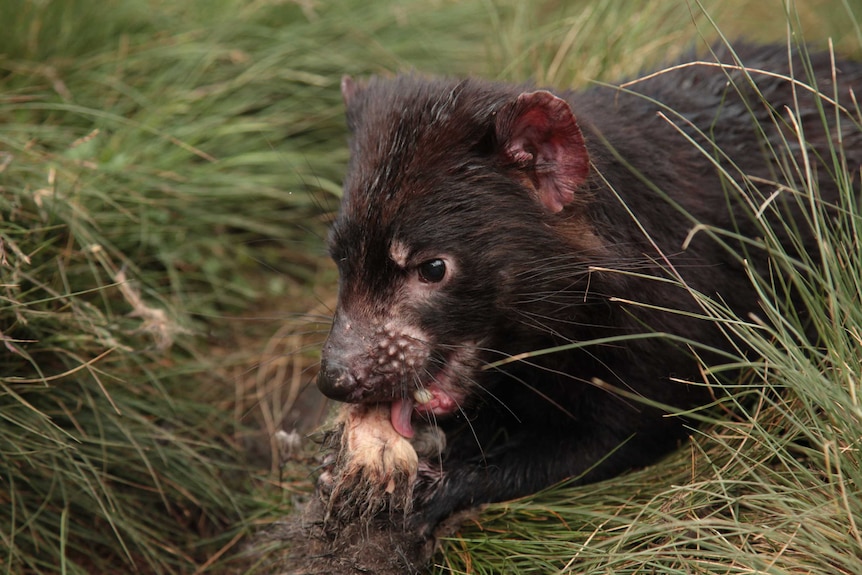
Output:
(483, 221)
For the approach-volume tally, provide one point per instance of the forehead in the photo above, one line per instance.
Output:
(406, 132)
(409, 135)
(420, 150)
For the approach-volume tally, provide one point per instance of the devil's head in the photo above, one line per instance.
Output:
(453, 204)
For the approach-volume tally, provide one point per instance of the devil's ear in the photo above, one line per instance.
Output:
(538, 135)
(349, 87)
(351, 91)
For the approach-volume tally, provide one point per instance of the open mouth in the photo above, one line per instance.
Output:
(437, 398)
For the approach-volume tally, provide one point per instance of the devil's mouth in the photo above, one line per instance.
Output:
(436, 398)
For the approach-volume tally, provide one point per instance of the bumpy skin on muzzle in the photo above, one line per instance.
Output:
(372, 359)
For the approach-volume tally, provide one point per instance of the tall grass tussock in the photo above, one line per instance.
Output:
(166, 174)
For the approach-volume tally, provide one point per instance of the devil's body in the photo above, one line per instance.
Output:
(553, 229)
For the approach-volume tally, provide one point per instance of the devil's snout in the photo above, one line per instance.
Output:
(368, 361)
(335, 380)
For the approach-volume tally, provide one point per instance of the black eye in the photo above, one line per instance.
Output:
(432, 271)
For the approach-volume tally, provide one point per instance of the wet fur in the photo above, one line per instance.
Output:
(535, 271)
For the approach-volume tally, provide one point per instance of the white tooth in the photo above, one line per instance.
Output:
(422, 396)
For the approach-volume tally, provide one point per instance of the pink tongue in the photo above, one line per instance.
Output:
(401, 411)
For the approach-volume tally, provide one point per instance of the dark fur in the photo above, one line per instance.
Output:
(428, 170)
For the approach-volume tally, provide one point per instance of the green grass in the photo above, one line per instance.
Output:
(166, 173)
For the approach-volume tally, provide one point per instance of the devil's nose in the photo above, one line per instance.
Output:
(335, 381)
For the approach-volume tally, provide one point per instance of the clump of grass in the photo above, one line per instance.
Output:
(772, 485)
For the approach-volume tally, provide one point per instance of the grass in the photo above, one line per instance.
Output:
(166, 173)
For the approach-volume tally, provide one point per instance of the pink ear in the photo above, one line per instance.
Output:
(538, 133)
